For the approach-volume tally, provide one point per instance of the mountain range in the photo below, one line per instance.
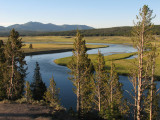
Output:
(39, 27)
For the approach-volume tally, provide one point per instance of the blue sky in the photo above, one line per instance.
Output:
(95, 13)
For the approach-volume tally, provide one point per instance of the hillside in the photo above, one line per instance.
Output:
(40, 27)
(114, 31)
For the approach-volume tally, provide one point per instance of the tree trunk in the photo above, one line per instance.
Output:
(78, 99)
(135, 101)
(10, 95)
(78, 86)
(152, 80)
(99, 99)
(111, 78)
(99, 93)
(140, 76)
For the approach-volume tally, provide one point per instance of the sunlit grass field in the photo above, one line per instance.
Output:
(99, 39)
(70, 39)
(46, 43)
(48, 47)
(123, 65)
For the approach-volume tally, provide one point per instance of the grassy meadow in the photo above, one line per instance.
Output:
(49, 47)
(47, 43)
(123, 65)
(70, 39)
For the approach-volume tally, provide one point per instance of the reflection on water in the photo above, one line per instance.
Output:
(60, 73)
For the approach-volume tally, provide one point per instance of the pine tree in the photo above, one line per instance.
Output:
(116, 107)
(115, 92)
(100, 83)
(38, 87)
(28, 92)
(151, 103)
(81, 71)
(2, 66)
(15, 72)
(133, 79)
(51, 95)
(30, 46)
(141, 37)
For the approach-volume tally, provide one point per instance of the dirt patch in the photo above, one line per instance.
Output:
(25, 112)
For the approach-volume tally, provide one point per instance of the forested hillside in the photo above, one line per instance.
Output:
(115, 31)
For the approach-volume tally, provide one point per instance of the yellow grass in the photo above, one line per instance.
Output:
(48, 47)
(99, 39)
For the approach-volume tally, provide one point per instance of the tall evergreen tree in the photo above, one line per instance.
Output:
(52, 93)
(81, 71)
(38, 87)
(100, 83)
(142, 36)
(2, 66)
(116, 94)
(115, 106)
(151, 103)
(28, 92)
(15, 72)
(30, 46)
(133, 79)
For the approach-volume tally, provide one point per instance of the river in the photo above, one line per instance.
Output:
(60, 73)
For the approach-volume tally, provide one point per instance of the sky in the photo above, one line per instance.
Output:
(94, 13)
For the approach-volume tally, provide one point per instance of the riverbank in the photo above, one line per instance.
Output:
(53, 48)
(118, 60)
(122, 62)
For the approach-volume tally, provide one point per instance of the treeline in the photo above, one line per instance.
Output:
(99, 93)
(115, 31)
(13, 72)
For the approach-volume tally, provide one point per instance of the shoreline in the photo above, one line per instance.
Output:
(50, 51)
(47, 52)
(53, 51)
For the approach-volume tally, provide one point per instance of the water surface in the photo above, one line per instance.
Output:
(60, 73)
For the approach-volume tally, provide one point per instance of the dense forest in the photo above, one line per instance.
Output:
(115, 31)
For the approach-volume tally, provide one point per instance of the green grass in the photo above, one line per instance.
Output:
(40, 44)
(117, 58)
(70, 39)
(122, 64)
(99, 39)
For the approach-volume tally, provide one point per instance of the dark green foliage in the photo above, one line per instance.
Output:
(71, 112)
(115, 31)
(28, 92)
(115, 106)
(15, 70)
(51, 95)
(2, 65)
(38, 87)
(81, 71)
(100, 83)
(155, 104)
(30, 46)
(142, 40)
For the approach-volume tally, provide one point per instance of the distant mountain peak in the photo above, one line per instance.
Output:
(49, 27)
